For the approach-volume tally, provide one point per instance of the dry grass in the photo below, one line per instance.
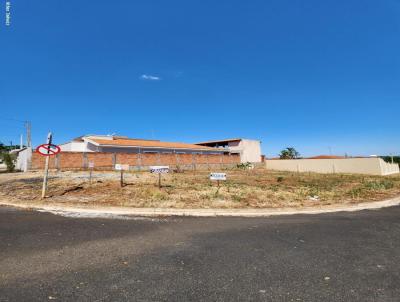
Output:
(243, 189)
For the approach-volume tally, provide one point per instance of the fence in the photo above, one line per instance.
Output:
(372, 166)
(137, 161)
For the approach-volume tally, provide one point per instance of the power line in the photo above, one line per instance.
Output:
(10, 125)
(11, 119)
(27, 125)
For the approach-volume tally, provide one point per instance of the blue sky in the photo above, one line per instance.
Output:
(316, 75)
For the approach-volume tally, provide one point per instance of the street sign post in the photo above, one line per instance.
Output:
(47, 150)
(122, 168)
(218, 177)
(159, 170)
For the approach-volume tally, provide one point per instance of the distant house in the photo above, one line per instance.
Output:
(249, 150)
(123, 144)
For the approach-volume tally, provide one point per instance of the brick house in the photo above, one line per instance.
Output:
(123, 144)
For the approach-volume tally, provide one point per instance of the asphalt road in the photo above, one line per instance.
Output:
(329, 257)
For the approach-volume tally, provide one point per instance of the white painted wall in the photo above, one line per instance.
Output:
(23, 160)
(371, 166)
(250, 150)
(75, 147)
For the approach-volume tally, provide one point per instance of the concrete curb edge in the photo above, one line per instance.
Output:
(154, 212)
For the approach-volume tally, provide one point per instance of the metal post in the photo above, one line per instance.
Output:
(122, 178)
(159, 180)
(46, 167)
(90, 175)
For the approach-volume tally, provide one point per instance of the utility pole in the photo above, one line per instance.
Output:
(20, 142)
(28, 127)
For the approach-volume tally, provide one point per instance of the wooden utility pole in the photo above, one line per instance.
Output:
(46, 166)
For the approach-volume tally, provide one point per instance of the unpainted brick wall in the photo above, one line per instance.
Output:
(79, 160)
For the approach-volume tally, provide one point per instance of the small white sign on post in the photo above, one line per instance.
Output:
(91, 165)
(218, 176)
(159, 169)
(121, 167)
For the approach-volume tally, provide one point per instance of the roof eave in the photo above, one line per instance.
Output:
(154, 147)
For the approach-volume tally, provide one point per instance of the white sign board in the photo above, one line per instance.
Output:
(217, 176)
(91, 164)
(121, 167)
(159, 169)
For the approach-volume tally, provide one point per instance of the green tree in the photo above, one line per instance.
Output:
(289, 153)
(2, 148)
(9, 160)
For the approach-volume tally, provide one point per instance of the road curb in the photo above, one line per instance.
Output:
(156, 212)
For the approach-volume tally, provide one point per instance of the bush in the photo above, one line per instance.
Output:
(379, 185)
(9, 160)
(279, 179)
(388, 159)
(244, 166)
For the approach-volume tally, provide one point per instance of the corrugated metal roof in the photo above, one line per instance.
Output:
(117, 142)
(220, 141)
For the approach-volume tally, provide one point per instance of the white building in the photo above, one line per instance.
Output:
(249, 150)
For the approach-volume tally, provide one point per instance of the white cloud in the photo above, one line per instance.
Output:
(149, 77)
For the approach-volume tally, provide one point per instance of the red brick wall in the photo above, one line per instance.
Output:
(73, 160)
(78, 160)
(38, 161)
(100, 160)
(150, 159)
(214, 159)
(127, 159)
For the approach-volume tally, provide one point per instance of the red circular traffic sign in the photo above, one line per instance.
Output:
(48, 149)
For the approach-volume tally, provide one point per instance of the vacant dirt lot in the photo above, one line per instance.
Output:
(243, 189)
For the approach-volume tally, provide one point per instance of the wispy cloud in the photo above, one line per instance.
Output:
(149, 77)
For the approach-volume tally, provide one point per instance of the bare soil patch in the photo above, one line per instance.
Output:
(244, 189)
